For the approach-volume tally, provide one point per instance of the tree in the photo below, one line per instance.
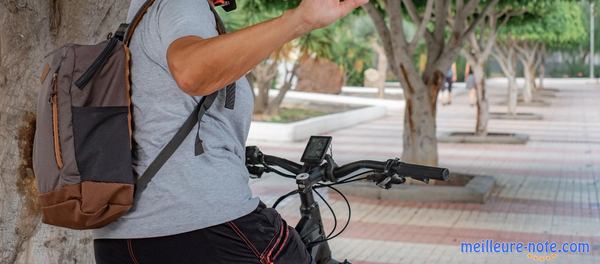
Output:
(479, 48)
(31, 29)
(443, 25)
(559, 24)
(506, 55)
(547, 24)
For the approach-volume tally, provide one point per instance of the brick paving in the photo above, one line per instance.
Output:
(548, 189)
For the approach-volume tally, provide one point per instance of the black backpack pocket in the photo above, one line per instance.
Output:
(102, 144)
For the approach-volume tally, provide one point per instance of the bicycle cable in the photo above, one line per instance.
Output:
(347, 221)
(332, 212)
(278, 171)
(280, 199)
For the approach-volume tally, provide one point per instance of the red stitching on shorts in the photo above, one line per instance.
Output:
(245, 239)
(268, 246)
(287, 232)
(130, 247)
(270, 259)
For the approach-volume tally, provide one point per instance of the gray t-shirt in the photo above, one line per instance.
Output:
(189, 192)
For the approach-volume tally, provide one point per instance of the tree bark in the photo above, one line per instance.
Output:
(477, 59)
(31, 29)
(264, 73)
(419, 137)
(529, 82)
(505, 54)
(275, 104)
(528, 56)
(477, 53)
(542, 66)
(482, 102)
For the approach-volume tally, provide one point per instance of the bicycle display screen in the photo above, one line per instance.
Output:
(316, 149)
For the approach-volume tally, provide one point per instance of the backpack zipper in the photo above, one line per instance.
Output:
(98, 64)
(55, 135)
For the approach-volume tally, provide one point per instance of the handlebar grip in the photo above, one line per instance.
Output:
(423, 172)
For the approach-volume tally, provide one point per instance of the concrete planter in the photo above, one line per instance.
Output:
(491, 138)
(536, 102)
(302, 130)
(517, 116)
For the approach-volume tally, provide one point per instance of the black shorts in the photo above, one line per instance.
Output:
(260, 237)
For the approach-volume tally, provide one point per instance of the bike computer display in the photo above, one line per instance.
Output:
(316, 149)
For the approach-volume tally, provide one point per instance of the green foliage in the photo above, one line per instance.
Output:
(352, 49)
(557, 24)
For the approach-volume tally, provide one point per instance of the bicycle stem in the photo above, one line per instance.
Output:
(310, 227)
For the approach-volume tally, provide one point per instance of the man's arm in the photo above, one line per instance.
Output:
(203, 66)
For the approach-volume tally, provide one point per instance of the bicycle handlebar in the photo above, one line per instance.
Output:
(418, 172)
(288, 165)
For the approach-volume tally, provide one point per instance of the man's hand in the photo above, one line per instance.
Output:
(321, 13)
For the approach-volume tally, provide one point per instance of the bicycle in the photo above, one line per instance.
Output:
(319, 170)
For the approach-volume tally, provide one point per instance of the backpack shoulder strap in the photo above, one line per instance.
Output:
(171, 147)
(135, 22)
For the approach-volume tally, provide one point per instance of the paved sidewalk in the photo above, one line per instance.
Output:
(548, 189)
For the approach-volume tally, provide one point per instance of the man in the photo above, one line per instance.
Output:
(199, 209)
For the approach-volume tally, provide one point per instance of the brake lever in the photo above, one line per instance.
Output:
(385, 184)
(256, 172)
(386, 181)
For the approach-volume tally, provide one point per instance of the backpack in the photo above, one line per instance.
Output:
(82, 156)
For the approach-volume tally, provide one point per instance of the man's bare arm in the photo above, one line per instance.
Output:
(203, 66)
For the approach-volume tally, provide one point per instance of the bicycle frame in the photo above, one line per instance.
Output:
(310, 227)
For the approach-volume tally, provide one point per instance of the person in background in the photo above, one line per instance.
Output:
(470, 82)
(447, 88)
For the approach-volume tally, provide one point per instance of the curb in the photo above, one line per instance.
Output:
(302, 130)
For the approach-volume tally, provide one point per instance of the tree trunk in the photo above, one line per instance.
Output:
(529, 82)
(275, 104)
(512, 94)
(542, 65)
(264, 74)
(420, 130)
(482, 102)
(528, 56)
(31, 29)
(542, 75)
(505, 54)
